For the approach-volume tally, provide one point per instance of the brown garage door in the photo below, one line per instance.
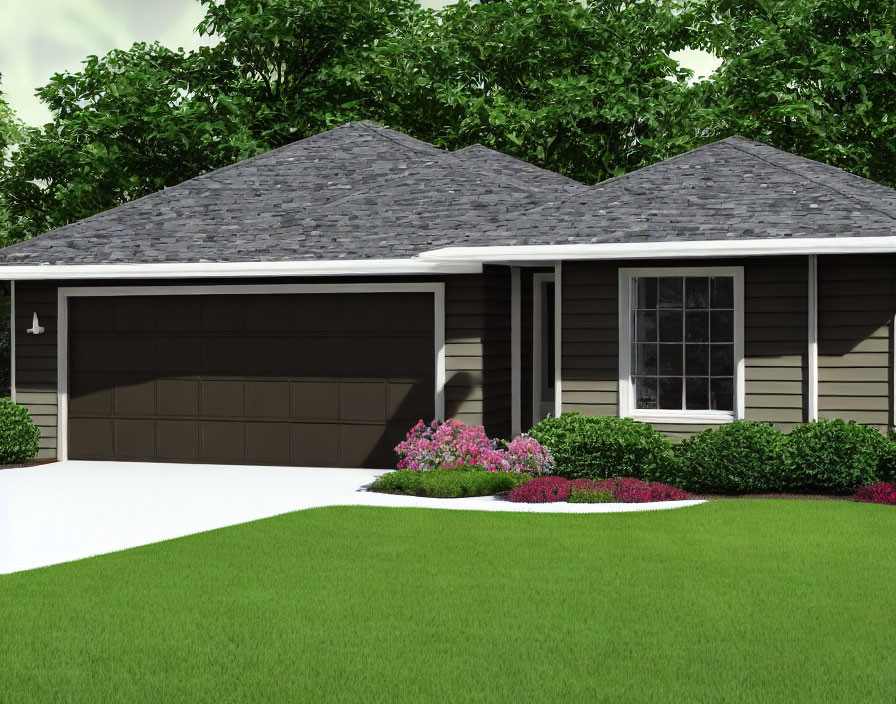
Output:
(300, 379)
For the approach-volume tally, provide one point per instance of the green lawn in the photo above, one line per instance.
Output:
(733, 601)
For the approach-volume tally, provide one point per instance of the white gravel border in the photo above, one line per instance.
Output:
(66, 511)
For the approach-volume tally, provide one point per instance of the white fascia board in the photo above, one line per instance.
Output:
(664, 250)
(205, 270)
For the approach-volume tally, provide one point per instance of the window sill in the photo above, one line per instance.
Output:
(683, 417)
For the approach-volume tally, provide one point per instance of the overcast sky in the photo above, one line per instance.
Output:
(41, 37)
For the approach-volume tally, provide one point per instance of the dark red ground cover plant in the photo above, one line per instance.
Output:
(664, 492)
(624, 490)
(879, 493)
(541, 491)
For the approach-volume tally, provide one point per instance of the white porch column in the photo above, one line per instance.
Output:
(813, 338)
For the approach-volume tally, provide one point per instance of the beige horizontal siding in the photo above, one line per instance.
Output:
(856, 300)
(477, 349)
(36, 361)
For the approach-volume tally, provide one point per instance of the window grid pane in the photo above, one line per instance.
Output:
(682, 342)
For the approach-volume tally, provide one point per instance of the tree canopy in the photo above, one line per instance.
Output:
(584, 88)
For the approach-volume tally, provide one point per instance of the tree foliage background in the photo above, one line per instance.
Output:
(584, 88)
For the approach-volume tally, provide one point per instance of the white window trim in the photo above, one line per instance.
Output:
(515, 353)
(64, 293)
(538, 281)
(626, 387)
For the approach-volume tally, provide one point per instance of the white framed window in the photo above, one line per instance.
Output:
(681, 344)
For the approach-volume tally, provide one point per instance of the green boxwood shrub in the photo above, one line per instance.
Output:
(832, 456)
(742, 457)
(448, 483)
(886, 466)
(598, 447)
(18, 433)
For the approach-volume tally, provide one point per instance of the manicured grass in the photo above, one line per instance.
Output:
(732, 601)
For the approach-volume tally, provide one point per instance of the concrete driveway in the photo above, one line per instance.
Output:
(70, 510)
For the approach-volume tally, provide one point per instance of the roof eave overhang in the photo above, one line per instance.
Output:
(458, 260)
(680, 249)
(228, 270)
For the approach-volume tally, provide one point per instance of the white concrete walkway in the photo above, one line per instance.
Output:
(70, 510)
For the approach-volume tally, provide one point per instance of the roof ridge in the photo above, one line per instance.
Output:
(784, 167)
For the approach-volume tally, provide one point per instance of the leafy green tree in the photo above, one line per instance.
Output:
(813, 77)
(586, 89)
(10, 136)
(281, 61)
(127, 124)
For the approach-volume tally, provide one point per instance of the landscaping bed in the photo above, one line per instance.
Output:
(597, 459)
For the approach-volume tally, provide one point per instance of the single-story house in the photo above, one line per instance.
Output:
(308, 305)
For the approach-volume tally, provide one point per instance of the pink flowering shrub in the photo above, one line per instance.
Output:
(526, 454)
(664, 492)
(879, 493)
(454, 445)
(541, 490)
(449, 445)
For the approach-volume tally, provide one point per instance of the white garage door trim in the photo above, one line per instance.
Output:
(436, 288)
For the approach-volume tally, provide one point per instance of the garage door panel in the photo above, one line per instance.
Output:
(223, 314)
(363, 400)
(223, 356)
(135, 355)
(177, 440)
(269, 313)
(221, 398)
(315, 444)
(314, 400)
(315, 357)
(362, 358)
(90, 394)
(180, 314)
(359, 313)
(266, 399)
(367, 445)
(407, 401)
(91, 315)
(315, 313)
(222, 441)
(92, 354)
(134, 438)
(268, 443)
(134, 395)
(135, 314)
(410, 356)
(268, 356)
(409, 314)
(178, 397)
(90, 438)
(178, 356)
(323, 380)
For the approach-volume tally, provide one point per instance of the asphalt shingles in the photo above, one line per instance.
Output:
(362, 191)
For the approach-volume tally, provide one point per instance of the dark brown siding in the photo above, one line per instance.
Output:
(857, 299)
(36, 360)
(775, 332)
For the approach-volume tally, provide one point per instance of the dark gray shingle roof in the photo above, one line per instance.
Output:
(362, 191)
